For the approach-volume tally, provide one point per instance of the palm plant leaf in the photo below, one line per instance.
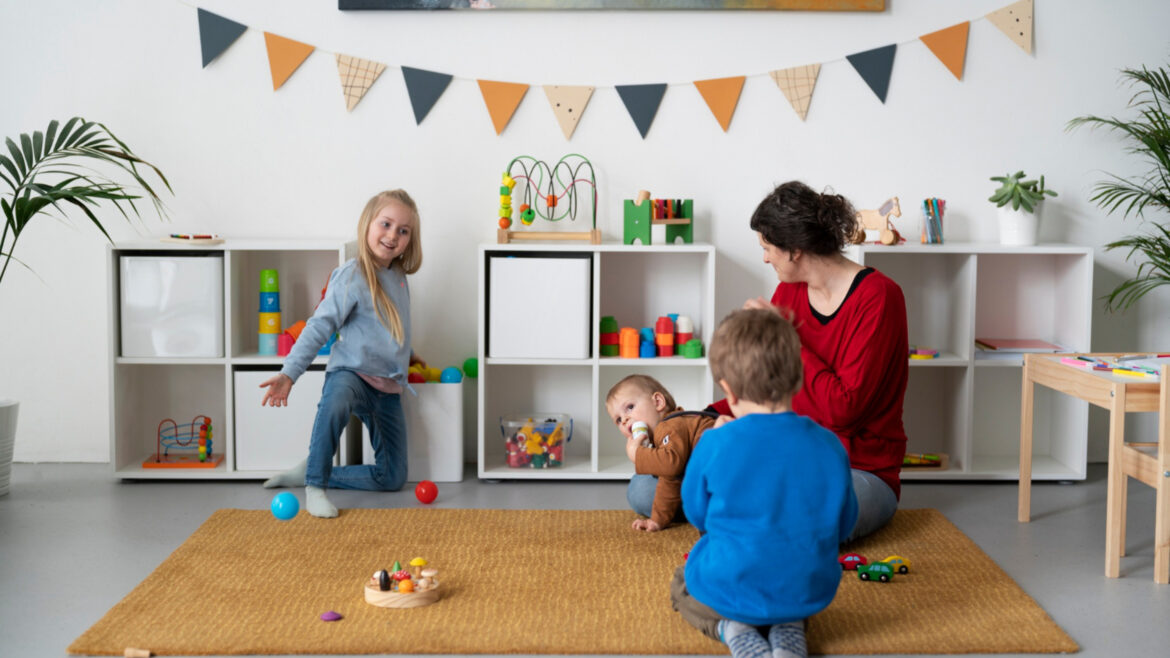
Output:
(48, 170)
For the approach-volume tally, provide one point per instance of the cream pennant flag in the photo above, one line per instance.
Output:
(284, 56)
(1015, 20)
(357, 76)
(568, 104)
(722, 95)
(797, 84)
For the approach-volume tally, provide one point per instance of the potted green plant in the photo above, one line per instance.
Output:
(1148, 136)
(1019, 202)
(65, 168)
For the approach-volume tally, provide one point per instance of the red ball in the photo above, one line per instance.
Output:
(426, 492)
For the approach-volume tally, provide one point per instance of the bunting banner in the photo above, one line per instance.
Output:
(502, 99)
(722, 95)
(949, 45)
(284, 57)
(357, 76)
(797, 84)
(568, 104)
(874, 66)
(216, 33)
(424, 89)
(642, 103)
(1015, 20)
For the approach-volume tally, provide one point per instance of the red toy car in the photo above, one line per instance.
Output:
(849, 561)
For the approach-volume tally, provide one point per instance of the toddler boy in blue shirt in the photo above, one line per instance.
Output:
(771, 494)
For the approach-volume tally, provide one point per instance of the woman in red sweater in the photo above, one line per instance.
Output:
(852, 325)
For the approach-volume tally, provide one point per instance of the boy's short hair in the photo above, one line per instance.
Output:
(644, 383)
(757, 352)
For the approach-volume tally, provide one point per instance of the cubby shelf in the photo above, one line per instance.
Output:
(633, 283)
(145, 390)
(966, 403)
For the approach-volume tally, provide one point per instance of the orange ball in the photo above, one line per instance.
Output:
(505, 223)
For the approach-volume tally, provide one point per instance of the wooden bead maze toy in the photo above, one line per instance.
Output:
(643, 212)
(549, 193)
(184, 446)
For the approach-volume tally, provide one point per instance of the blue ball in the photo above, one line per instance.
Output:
(285, 506)
(450, 375)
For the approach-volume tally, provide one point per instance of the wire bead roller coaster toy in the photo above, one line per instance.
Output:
(184, 446)
(549, 193)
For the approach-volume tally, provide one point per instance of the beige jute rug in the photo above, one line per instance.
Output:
(527, 581)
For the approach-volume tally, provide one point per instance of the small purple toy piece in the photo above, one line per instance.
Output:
(330, 616)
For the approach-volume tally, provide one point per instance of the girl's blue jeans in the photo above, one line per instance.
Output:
(345, 393)
(876, 502)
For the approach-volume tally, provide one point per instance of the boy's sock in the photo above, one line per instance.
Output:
(318, 503)
(293, 477)
(788, 640)
(743, 640)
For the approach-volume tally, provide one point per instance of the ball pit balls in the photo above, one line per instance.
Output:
(285, 506)
(426, 492)
(451, 375)
(471, 367)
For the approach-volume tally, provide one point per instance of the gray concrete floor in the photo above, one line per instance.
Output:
(74, 541)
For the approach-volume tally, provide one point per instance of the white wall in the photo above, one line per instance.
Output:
(247, 161)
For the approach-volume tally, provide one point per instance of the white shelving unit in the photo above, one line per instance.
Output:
(966, 403)
(146, 390)
(633, 283)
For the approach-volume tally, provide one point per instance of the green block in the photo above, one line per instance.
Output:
(692, 349)
(610, 350)
(609, 325)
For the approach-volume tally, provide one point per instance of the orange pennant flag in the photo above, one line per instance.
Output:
(797, 83)
(722, 95)
(284, 56)
(1015, 20)
(950, 46)
(502, 99)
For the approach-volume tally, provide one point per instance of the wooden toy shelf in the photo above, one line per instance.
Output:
(633, 283)
(966, 402)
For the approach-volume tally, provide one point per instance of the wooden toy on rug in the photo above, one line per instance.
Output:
(399, 588)
(879, 220)
(549, 193)
(184, 446)
(643, 212)
(879, 571)
(900, 564)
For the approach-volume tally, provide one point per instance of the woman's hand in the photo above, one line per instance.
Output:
(277, 393)
(757, 303)
(722, 420)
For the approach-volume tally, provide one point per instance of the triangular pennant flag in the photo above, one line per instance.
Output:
(797, 84)
(284, 56)
(357, 76)
(722, 95)
(642, 103)
(424, 89)
(216, 33)
(502, 99)
(874, 66)
(950, 46)
(1015, 20)
(568, 104)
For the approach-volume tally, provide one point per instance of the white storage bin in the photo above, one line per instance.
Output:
(172, 306)
(434, 431)
(274, 438)
(539, 306)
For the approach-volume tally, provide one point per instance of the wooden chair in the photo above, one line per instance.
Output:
(1148, 463)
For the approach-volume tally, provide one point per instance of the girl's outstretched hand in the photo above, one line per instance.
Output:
(416, 360)
(277, 393)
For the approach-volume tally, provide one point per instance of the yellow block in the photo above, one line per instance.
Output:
(270, 323)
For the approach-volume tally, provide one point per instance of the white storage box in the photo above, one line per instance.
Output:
(172, 306)
(434, 433)
(538, 307)
(274, 438)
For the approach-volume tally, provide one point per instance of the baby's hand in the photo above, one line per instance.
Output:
(277, 393)
(631, 448)
(646, 525)
(722, 420)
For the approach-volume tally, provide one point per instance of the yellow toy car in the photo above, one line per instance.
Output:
(899, 563)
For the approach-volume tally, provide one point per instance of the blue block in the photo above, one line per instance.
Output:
(269, 302)
(647, 350)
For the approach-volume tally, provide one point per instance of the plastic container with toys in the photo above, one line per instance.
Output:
(536, 440)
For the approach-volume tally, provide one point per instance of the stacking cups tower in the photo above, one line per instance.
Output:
(269, 311)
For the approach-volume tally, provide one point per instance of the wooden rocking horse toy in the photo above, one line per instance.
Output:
(879, 220)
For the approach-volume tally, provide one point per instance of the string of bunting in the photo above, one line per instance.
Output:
(357, 75)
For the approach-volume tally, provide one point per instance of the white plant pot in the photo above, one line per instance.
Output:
(1019, 228)
(8, 409)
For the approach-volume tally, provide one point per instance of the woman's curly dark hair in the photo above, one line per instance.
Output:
(794, 216)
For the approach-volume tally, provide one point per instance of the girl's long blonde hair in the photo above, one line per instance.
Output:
(410, 260)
